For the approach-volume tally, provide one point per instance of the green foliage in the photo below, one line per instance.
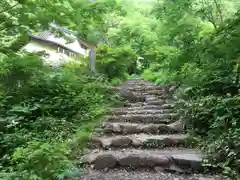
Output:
(116, 62)
(47, 106)
(203, 55)
(194, 42)
(215, 120)
(48, 160)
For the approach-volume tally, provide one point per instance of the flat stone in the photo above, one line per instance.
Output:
(145, 88)
(136, 128)
(130, 128)
(123, 141)
(177, 126)
(152, 98)
(140, 140)
(162, 140)
(156, 102)
(124, 128)
(154, 92)
(150, 107)
(188, 160)
(142, 111)
(145, 158)
(105, 161)
(117, 141)
(150, 128)
(140, 118)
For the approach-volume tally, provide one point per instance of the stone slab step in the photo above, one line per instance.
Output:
(155, 102)
(122, 111)
(154, 98)
(153, 92)
(143, 118)
(135, 128)
(145, 88)
(183, 159)
(133, 107)
(139, 140)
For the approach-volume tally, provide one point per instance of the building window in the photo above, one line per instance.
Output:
(60, 50)
(65, 51)
(83, 46)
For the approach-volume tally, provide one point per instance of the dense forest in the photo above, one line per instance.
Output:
(47, 114)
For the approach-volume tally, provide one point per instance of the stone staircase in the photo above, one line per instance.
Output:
(143, 138)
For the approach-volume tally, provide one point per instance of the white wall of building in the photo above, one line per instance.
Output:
(55, 58)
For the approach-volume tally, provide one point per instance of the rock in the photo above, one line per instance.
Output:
(116, 127)
(125, 128)
(150, 128)
(104, 161)
(192, 161)
(121, 141)
(142, 118)
(143, 160)
(164, 140)
(174, 168)
(130, 128)
(159, 169)
(174, 87)
(130, 96)
(157, 102)
(132, 160)
(177, 126)
(149, 158)
(117, 141)
(151, 98)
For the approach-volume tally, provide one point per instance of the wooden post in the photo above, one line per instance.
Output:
(91, 53)
(92, 59)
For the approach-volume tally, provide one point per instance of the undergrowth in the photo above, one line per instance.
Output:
(208, 99)
(47, 116)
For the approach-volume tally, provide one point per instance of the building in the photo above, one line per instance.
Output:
(60, 45)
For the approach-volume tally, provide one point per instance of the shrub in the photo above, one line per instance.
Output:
(41, 108)
(115, 63)
(208, 69)
(40, 161)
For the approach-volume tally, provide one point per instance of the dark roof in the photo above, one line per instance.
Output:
(43, 37)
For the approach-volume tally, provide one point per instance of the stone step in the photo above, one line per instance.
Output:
(145, 88)
(179, 159)
(155, 102)
(135, 128)
(154, 98)
(152, 92)
(125, 111)
(155, 92)
(148, 106)
(133, 107)
(143, 118)
(139, 140)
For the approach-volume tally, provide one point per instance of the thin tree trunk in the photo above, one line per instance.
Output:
(219, 11)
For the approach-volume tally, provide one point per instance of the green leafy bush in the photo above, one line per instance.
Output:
(42, 107)
(215, 120)
(116, 62)
(208, 69)
(40, 160)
